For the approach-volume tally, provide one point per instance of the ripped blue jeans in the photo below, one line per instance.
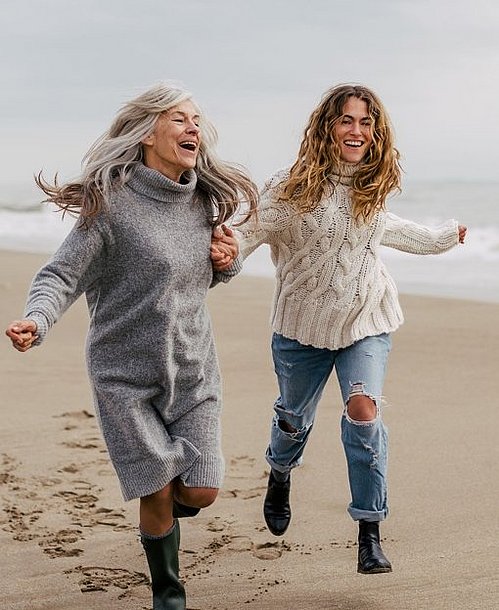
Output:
(302, 372)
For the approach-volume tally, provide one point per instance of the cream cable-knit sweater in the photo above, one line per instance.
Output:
(332, 287)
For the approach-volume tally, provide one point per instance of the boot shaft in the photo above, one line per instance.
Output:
(369, 531)
(162, 558)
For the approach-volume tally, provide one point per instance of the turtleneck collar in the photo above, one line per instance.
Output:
(343, 174)
(153, 184)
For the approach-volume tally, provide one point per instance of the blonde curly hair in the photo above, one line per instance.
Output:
(319, 157)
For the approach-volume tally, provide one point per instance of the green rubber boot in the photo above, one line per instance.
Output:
(168, 592)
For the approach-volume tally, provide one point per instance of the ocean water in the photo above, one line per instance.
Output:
(469, 271)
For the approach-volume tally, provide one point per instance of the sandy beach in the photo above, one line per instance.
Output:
(69, 542)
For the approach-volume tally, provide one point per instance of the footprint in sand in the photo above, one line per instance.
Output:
(28, 500)
(79, 501)
(242, 461)
(243, 494)
(70, 469)
(80, 445)
(47, 481)
(56, 545)
(75, 417)
(77, 420)
(108, 517)
(228, 540)
(218, 525)
(97, 578)
(240, 544)
(270, 550)
(20, 522)
(7, 467)
(6, 477)
(78, 415)
(241, 467)
(254, 492)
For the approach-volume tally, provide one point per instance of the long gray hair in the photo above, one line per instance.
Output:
(110, 161)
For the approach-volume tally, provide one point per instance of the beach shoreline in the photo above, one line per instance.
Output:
(70, 543)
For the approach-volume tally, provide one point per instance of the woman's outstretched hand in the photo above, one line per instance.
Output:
(22, 333)
(462, 233)
(224, 248)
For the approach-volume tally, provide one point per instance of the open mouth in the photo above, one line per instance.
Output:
(353, 143)
(189, 145)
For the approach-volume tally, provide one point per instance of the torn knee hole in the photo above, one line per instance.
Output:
(285, 427)
(360, 406)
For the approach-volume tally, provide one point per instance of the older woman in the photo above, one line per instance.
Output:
(150, 194)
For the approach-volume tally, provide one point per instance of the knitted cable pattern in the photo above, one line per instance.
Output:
(332, 288)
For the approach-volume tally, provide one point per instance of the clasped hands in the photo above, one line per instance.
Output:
(224, 248)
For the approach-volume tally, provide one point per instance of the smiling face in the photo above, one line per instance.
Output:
(173, 146)
(352, 132)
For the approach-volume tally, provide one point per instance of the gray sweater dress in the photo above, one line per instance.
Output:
(145, 269)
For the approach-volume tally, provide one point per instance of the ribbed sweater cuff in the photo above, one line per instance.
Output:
(450, 236)
(236, 266)
(228, 274)
(42, 325)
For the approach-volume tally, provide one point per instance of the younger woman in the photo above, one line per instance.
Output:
(335, 304)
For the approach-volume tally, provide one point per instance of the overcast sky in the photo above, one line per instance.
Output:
(258, 68)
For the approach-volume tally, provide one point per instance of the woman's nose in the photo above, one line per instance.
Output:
(192, 128)
(355, 128)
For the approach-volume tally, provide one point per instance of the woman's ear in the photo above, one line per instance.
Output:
(148, 140)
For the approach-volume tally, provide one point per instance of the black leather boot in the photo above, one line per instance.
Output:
(182, 510)
(276, 508)
(371, 558)
(168, 592)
